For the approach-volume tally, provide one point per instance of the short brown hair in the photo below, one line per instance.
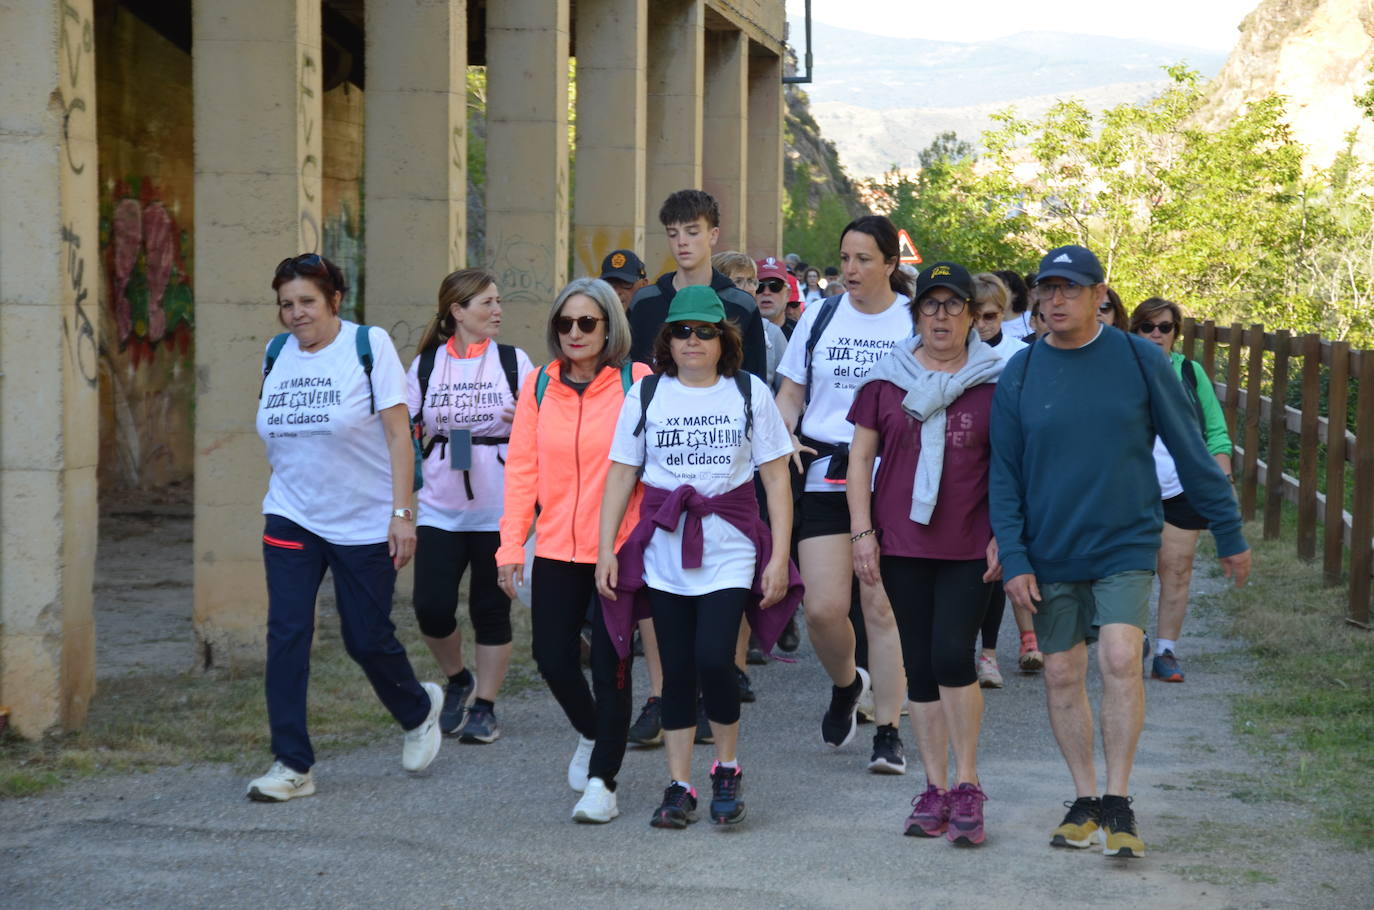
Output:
(1151, 305)
(731, 350)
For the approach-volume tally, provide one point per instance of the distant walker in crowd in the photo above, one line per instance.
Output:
(623, 271)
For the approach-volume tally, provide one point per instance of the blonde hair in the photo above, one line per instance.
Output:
(732, 261)
(457, 287)
(989, 289)
(617, 347)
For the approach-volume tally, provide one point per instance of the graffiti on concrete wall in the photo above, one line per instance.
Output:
(146, 255)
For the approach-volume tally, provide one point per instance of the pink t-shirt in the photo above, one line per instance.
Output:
(959, 527)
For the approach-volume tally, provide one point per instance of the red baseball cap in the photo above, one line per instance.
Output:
(772, 268)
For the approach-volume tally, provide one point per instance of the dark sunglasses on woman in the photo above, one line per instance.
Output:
(1147, 328)
(682, 331)
(587, 324)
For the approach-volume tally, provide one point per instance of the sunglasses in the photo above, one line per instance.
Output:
(682, 331)
(1148, 328)
(991, 316)
(793, 304)
(587, 324)
(1104, 308)
(772, 285)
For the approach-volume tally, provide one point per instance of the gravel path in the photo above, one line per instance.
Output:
(489, 826)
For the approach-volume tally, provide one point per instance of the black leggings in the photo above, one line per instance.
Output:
(939, 605)
(696, 641)
(440, 560)
(561, 591)
(992, 622)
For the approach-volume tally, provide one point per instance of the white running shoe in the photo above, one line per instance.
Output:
(422, 743)
(279, 784)
(581, 762)
(597, 805)
(989, 676)
(868, 709)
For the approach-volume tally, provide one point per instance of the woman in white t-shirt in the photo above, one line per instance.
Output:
(815, 396)
(332, 412)
(700, 558)
(811, 287)
(462, 388)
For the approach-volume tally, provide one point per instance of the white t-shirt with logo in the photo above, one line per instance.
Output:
(696, 436)
(331, 468)
(844, 354)
(468, 393)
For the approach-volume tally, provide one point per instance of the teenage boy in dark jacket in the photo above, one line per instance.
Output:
(691, 220)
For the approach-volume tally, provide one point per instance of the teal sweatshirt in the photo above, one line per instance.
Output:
(1072, 489)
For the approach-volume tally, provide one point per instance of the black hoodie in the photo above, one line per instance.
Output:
(649, 309)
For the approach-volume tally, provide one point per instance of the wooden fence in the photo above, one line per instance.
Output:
(1248, 376)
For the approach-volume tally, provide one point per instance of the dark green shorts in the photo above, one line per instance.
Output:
(1072, 611)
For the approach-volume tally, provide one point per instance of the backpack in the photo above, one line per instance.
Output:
(541, 384)
(364, 349)
(742, 382)
(823, 317)
(508, 366)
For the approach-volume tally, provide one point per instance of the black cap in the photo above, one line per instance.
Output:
(622, 264)
(945, 275)
(1074, 263)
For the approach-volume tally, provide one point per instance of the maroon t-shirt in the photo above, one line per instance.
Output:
(959, 527)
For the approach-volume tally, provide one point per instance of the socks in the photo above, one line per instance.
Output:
(1029, 637)
(1164, 644)
(853, 688)
(686, 786)
(462, 678)
(732, 765)
(484, 703)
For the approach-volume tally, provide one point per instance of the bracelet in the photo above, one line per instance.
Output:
(862, 534)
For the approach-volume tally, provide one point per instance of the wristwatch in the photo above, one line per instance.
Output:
(403, 514)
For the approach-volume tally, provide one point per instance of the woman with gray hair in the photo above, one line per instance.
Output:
(558, 459)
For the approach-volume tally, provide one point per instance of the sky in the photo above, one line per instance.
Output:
(1198, 23)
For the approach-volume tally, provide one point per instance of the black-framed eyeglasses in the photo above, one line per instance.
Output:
(587, 324)
(682, 331)
(1045, 292)
(772, 285)
(953, 305)
(1148, 328)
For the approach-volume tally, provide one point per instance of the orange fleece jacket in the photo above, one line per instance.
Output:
(559, 456)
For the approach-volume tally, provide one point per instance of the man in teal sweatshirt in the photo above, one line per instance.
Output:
(1076, 513)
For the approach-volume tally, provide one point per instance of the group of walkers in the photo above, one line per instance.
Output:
(699, 459)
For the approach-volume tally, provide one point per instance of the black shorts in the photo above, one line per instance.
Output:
(1179, 512)
(822, 514)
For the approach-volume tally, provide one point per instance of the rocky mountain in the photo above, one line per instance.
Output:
(1317, 53)
(882, 99)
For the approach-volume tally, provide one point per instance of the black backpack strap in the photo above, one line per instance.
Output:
(646, 395)
(509, 366)
(422, 373)
(818, 327)
(746, 391)
(364, 345)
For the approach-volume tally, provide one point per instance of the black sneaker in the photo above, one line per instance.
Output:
(637, 645)
(456, 700)
(839, 723)
(647, 730)
(726, 806)
(754, 656)
(704, 735)
(480, 727)
(1120, 837)
(888, 755)
(678, 809)
(746, 688)
(1080, 825)
(790, 639)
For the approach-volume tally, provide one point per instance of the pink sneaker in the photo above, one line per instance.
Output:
(966, 815)
(929, 813)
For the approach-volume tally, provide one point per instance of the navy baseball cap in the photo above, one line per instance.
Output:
(1073, 263)
(945, 275)
(622, 264)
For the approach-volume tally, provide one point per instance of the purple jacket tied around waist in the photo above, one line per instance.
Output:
(663, 509)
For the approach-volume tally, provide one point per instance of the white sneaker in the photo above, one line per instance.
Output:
(989, 676)
(597, 805)
(581, 762)
(868, 710)
(422, 743)
(279, 784)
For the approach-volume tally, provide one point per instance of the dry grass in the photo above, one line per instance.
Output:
(146, 722)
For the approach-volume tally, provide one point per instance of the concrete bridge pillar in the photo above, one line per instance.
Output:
(764, 236)
(257, 73)
(676, 76)
(608, 207)
(725, 144)
(49, 342)
(415, 159)
(527, 161)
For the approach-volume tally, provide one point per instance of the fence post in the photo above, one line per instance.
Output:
(1278, 438)
(1232, 402)
(1209, 348)
(1337, 396)
(1254, 374)
(1362, 509)
(1188, 333)
(1307, 450)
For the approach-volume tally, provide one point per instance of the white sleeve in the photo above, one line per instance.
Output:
(770, 437)
(388, 378)
(626, 447)
(413, 401)
(793, 363)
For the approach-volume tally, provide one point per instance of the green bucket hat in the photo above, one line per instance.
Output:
(696, 303)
